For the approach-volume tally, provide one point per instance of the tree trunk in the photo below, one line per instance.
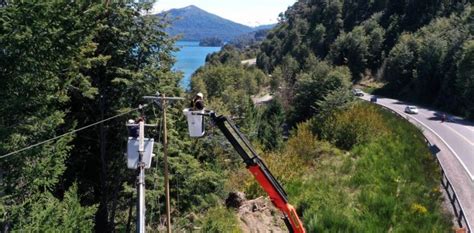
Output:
(102, 224)
(130, 212)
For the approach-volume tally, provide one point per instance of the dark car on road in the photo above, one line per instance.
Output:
(373, 99)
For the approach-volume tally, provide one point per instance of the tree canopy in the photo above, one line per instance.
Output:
(411, 46)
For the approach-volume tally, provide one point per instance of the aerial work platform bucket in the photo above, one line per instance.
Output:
(132, 152)
(195, 122)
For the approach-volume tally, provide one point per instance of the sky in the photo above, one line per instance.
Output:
(248, 12)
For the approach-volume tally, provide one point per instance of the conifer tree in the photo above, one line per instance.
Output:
(42, 52)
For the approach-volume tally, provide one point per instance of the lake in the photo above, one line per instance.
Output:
(189, 58)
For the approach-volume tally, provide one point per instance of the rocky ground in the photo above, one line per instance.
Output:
(257, 215)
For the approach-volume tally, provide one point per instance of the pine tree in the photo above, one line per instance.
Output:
(132, 59)
(42, 51)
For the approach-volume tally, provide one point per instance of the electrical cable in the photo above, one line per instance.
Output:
(71, 132)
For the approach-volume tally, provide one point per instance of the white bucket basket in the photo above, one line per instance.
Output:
(195, 122)
(132, 152)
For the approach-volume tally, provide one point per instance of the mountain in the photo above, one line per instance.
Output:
(264, 27)
(196, 24)
(251, 38)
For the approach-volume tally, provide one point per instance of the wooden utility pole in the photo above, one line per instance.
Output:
(162, 101)
(165, 161)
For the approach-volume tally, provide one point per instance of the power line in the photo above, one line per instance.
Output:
(71, 132)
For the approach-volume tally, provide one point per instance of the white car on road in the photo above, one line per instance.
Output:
(411, 109)
(357, 92)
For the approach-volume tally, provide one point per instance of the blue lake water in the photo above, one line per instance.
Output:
(189, 58)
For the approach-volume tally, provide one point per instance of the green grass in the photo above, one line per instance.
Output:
(220, 219)
(387, 184)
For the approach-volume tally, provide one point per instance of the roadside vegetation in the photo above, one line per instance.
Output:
(421, 50)
(347, 166)
(383, 183)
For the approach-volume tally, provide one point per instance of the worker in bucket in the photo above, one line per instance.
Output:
(197, 103)
(134, 128)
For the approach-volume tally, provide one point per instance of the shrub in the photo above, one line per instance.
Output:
(359, 124)
(220, 219)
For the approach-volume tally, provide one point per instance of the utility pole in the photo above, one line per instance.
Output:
(162, 102)
(165, 161)
(141, 179)
(140, 161)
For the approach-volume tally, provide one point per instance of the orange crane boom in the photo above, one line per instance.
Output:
(260, 171)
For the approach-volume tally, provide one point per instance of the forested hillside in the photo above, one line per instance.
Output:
(350, 167)
(420, 50)
(346, 166)
(195, 24)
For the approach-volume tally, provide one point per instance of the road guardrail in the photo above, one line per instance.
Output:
(445, 182)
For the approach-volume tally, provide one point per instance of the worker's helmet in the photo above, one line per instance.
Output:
(131, 121)
(200, 95)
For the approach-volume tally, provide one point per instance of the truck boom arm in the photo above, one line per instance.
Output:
(260, 171)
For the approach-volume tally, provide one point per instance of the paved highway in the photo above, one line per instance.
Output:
(249, 62)
(458, 135)
(455, 141)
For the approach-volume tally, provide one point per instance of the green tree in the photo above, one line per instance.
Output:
(336, 100)
(228, 55)
(276, 80)
(422, 66)
(376, 36)
(358, 11)
(351, 49)
(44, 48)
(313, 86)
(354, 125)
(465, 77)
(401, 62)
(270, 129)
(223, 81)
(47, 214)
(135, 60)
